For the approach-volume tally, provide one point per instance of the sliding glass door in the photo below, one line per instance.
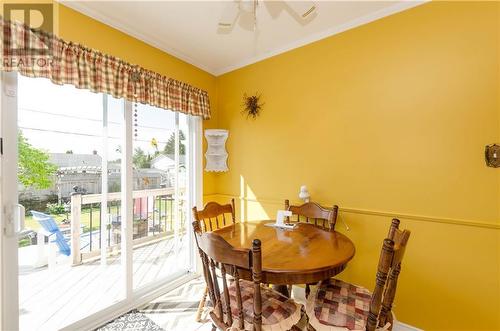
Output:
(160, 146)
(66, 138)
(104, 187)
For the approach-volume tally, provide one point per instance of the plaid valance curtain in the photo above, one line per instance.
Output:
(35, 53)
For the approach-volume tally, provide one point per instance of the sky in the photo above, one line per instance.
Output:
(61, 118)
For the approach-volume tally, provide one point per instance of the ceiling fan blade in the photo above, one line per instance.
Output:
(229, 14)
(302, 8)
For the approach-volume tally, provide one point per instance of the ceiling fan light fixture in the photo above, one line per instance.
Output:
(303, 9)
(248, 5)
(235, 8)
(229, 15)
(310, 11)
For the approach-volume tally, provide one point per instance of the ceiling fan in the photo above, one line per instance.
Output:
(235, 8)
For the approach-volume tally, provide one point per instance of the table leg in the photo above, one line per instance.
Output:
(283, 289)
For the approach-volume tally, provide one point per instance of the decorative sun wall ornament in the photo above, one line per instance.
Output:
(252, 105)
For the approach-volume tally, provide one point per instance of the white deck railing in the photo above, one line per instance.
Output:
(79, 200)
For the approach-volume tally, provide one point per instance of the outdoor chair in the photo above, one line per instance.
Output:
(50, 229)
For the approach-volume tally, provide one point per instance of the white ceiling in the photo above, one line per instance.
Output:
(189, 30)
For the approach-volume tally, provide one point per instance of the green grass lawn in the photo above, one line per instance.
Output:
(166, 211)
(30, 223)
(166, 218)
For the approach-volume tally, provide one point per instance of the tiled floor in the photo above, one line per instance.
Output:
(176, 310)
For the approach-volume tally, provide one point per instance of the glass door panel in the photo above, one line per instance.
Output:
(159, 154)
(63, 277)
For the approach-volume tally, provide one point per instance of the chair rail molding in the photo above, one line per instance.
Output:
(391, 214)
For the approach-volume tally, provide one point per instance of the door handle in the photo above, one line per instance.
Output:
(21, 212)
(15, 220)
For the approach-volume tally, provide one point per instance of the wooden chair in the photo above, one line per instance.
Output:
(373, 310)
(213, 216)
(210, 218)
(311, 212)
(242, 304)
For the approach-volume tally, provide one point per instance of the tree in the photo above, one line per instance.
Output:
(140, 159)
(34, 169)
(170, 146)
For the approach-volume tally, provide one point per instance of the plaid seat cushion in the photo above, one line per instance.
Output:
(278, 311)
(337, 305)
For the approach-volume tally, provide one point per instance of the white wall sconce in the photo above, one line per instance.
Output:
(304, 193)
(216, 154)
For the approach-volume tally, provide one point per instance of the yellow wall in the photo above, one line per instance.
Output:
(79, 28)
(390, 118)
(424, 82)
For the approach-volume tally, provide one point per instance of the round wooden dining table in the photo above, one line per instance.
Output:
(303, 255)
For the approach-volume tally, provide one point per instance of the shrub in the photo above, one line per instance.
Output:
(55, 208)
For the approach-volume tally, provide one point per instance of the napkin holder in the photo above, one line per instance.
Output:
(280, 220)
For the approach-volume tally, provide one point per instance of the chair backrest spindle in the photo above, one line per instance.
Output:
(312, 213)
(239, 303)
(213, 215)
(388, 270)
(257, 277)
(227, 299)
(216, 252)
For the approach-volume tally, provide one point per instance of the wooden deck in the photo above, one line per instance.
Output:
(52, 299)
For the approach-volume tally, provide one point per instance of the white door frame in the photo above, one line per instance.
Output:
(9, 292)
(127, 204)
(196, 181)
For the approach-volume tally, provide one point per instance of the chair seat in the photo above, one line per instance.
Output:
(336, 305)
(278, 311)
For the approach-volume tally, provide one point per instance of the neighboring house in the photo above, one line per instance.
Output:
(75, 160)
(166, 162)
(148, 178)
(85, 179)
(83, 172)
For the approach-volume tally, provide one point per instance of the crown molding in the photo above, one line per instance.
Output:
(362, 20)
(161, 45)
(146, 38)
